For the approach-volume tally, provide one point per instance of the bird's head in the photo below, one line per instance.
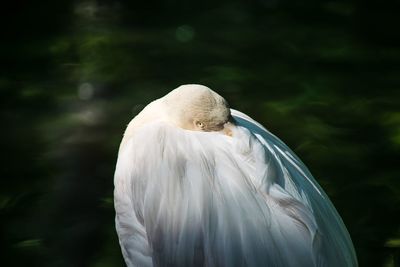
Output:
(197, 107)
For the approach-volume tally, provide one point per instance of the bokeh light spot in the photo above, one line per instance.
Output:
(85, 91)
(184, 33)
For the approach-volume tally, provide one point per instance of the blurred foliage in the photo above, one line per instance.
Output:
(322, 75)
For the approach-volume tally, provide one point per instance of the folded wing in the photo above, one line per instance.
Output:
(186, 198)
(292, 175)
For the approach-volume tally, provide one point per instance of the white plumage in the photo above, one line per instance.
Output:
(199, 184)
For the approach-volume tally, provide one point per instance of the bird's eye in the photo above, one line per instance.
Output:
(199, 124)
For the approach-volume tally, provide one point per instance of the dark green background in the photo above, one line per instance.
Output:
(322, 75)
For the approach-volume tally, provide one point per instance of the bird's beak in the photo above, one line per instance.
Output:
(227, 130)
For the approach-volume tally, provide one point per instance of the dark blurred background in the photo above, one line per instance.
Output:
(322, 75)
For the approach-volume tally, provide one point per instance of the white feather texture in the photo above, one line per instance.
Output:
(195, 198)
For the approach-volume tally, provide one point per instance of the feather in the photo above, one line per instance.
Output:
(192, 198)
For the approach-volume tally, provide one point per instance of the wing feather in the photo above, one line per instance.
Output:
(333, 242)
(186, 198)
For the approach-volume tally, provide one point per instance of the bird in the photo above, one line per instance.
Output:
(200, 184)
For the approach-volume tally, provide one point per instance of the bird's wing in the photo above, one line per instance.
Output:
(188, 198)
(293, 176)
(129, 224)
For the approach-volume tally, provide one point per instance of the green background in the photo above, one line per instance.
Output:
(324, 76)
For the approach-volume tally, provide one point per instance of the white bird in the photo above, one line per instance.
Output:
(200, 184)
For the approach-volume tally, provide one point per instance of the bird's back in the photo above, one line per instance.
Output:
(186, 198)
